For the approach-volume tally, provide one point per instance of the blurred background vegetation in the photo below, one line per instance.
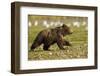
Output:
(78, 39)
(49, 21)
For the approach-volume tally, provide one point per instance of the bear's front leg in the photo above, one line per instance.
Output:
(66, 43)
(60, 41)
(60, 44)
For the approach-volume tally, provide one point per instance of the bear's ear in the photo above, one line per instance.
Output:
(64, 25)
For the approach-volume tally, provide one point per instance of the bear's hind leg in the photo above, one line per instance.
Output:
(37, 42)
(46, 47)
(34, 45)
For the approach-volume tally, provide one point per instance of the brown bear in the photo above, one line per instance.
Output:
(48, 37)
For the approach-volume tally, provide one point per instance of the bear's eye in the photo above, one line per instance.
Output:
(67, 29)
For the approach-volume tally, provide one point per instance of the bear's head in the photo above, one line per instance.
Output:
(66, 30)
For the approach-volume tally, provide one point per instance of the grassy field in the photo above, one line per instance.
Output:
(78, 49)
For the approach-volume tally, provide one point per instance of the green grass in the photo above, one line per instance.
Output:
(78, 49)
